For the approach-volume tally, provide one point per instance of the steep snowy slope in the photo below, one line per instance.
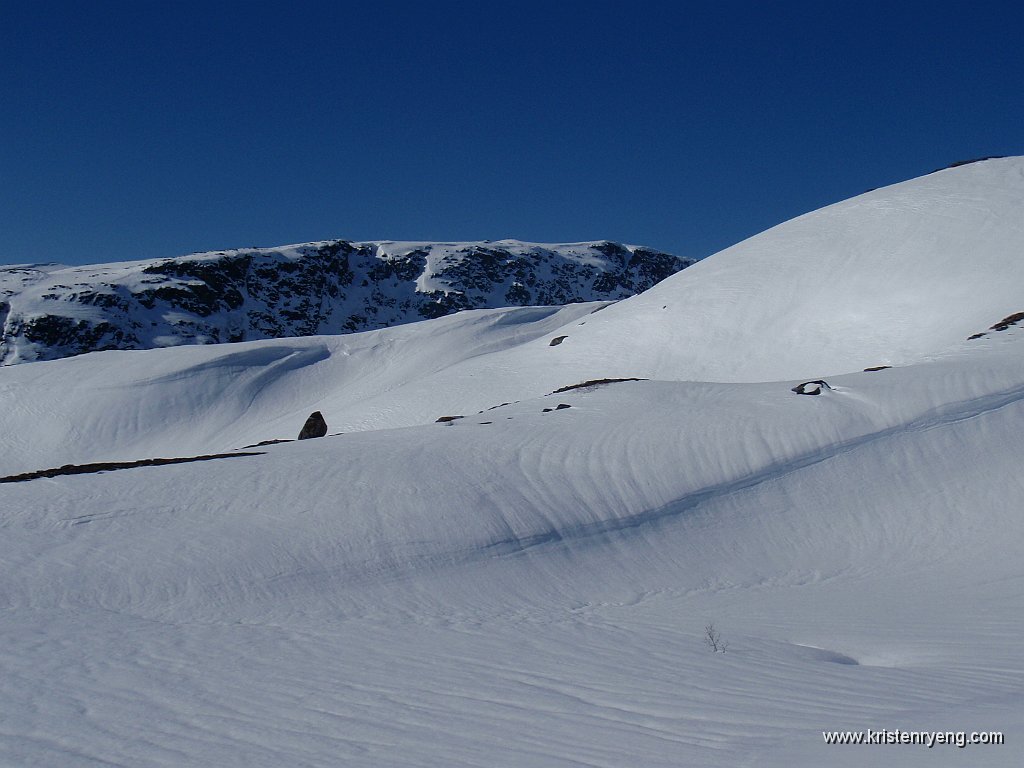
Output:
(49, 311)
(529, 584)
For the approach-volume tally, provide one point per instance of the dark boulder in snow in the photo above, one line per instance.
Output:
(315, 426)
(811, 387)
(447, 419)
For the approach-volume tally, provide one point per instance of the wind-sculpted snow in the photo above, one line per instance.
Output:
(623, 456)
(525, 583)
(49, 311)
(533, 589)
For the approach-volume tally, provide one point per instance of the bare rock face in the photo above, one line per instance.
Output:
(49, 311)
(315, 426)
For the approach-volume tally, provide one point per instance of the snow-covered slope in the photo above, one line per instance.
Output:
(127, 405)
(49, 311)
(889, 277)
(720, 320)
(529, 584)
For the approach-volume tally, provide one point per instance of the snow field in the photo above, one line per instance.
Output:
(533, 591)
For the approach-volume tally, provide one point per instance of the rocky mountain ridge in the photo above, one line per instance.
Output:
(51, 311)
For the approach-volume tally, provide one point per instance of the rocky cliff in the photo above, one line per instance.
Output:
(51, 311)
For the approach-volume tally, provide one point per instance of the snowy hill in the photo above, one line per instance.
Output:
(529, 584)
(49, 311)
(886, 278)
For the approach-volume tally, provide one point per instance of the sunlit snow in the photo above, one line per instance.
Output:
(530, 585)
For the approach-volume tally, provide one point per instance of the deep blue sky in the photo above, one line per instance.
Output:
(141, 129)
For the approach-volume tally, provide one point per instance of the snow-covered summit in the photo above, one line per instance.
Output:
(892, 276)
(51, 311)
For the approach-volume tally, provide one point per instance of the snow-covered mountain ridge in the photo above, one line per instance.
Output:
(51, 311)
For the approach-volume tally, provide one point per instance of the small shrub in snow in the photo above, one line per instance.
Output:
(713, 639)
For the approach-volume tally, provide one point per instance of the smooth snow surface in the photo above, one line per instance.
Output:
(887, 278)
(528, 585)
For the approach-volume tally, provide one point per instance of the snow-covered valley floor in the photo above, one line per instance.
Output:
(529, 585)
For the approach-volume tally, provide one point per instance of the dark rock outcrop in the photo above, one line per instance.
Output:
(811, 387)
(591, 383)
(48, 311)
(315, 426)
(112, 466)
(1004, 324)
